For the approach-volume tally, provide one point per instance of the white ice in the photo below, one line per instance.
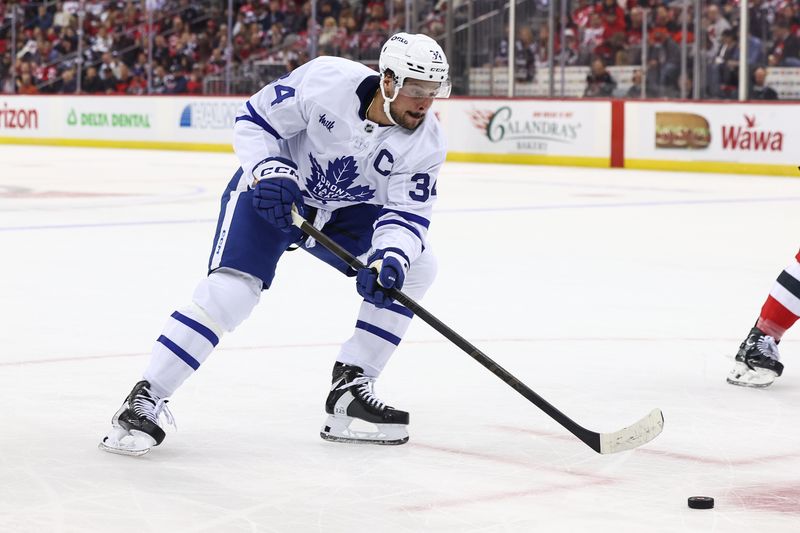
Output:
(608, 292)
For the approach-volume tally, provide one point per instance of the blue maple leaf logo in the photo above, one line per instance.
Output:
(334, 184)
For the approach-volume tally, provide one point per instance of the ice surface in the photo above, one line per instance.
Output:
(608, 292)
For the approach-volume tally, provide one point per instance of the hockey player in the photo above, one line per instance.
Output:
(757, 361)
(357, 154)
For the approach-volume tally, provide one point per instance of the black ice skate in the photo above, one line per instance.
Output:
(757, 361)
(135, 428)
(352, 400)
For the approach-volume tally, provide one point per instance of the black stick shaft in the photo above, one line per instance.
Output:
(590, 438)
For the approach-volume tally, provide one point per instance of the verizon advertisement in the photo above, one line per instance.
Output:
(528, 127)
(145, 121)
(725, 133)
(21, 117)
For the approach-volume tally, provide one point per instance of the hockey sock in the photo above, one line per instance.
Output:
(782, 308)
(184, 344)
(376, 336)
(220, 303)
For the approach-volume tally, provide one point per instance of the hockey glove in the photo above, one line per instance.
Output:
(276, 190)
(386, 270)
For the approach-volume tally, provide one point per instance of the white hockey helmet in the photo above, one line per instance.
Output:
(419, 57)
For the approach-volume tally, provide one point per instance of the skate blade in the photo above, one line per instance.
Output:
(337, 429)
(121, 442)
(352, 440)
(751, 384)
(744, 376)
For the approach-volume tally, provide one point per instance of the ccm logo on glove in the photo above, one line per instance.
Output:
(276, 190)
(277, 167)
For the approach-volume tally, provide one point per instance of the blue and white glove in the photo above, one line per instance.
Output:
(386, 269)
(275, 191)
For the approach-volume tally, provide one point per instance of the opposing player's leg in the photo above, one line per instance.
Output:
(245, 252)
(758, 361)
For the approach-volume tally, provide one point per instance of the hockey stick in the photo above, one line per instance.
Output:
(627, 438)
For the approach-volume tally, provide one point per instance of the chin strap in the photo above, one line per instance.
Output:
(388, 101)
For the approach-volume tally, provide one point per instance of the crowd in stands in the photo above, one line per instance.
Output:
(610, 32)
(105, 50)
(189, 43)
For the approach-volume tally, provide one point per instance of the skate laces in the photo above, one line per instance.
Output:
(152, 408)
(363, 385)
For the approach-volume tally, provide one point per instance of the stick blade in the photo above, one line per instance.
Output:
(633, 436)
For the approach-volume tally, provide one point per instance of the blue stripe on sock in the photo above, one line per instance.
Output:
(197, 326)
(399, 309)
(378, 332)
(177, 350)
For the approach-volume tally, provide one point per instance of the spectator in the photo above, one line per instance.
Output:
(599, 82)
(613, 17)
(760, 15)
(101, 42)
(613, 50)
(723, 71)
(123, 79)
(158, 85)
(755, 52)
(328, 36)
(332, 8)
(759, 89)
(139, 68)
(594, 34)
(66, 83)
(663, 63)
(785, 51)
(716, 25)
(108, 80)
(635, 90)
(541, 48)
(108, 61)
(43, 20)
(26, 85)
(61, 19)
(195, 83)
(91, 83)
(582, 13)
(570, 53)
(524, 54)
(675, 92)
(273, 15)
(175, 81)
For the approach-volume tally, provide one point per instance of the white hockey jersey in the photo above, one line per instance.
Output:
(316, 116)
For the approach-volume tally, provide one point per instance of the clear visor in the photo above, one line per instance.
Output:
(425, 89)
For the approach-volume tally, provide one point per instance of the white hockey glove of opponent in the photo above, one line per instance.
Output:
(386, 269)
(275, 190)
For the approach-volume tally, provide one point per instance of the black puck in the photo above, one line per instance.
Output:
(701, 502)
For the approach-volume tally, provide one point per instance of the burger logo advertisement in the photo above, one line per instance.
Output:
(531, 133)
(682, 130)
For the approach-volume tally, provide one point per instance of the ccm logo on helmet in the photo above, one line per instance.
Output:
(434, 69)
(398, 38)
